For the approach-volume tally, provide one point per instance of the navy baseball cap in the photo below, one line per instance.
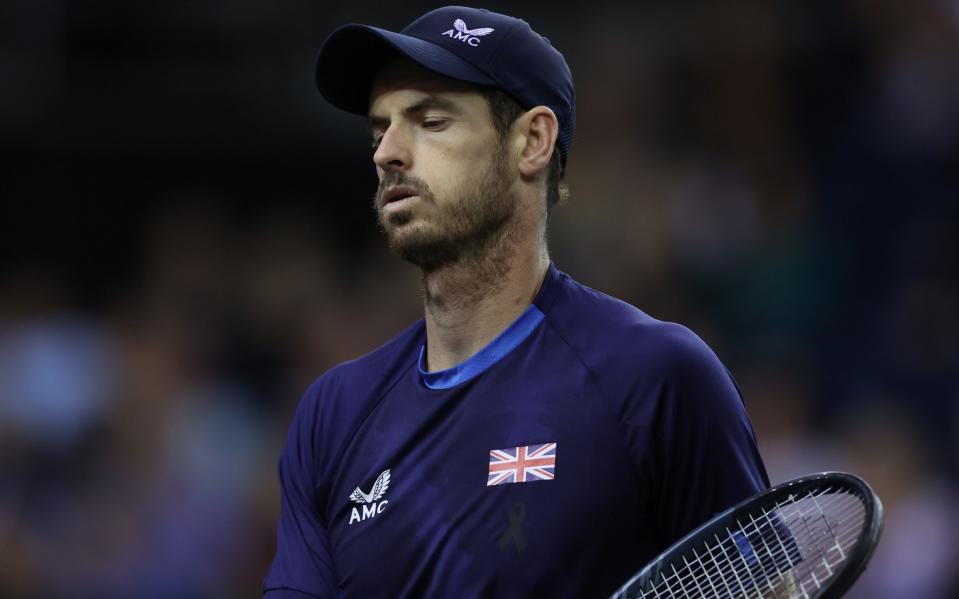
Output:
(467, 44)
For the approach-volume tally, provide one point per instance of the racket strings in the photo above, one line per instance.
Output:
(827, 538)
(824, 556)
(791, 550)
(767, 574)
(772, 560)
(786, 556)
(716, 563)
(719, 556)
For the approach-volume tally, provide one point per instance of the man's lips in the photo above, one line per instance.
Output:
(398, 197)
(395, 194)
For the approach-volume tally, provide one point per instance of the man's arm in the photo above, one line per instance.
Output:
(707, 457)
(303, 565)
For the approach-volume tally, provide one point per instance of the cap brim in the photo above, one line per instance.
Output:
(352, 55)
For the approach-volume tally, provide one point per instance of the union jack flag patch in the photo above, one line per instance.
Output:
(522, 464)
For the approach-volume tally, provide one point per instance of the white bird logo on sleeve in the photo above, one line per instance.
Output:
(379, 489)
(460, 26)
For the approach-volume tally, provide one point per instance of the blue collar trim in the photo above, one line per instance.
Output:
(505, 342)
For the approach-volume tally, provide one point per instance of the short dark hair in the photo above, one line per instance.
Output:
(505, 110)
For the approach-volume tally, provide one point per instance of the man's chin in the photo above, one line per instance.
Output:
(419, 247)
(396, 219)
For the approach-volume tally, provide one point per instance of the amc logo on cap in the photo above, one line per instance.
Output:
(468, 36)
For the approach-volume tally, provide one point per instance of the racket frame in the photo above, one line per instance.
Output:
(852, 566)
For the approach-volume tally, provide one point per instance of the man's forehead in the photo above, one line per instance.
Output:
(403, 74)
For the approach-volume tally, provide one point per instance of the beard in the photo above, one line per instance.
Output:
(463, 227)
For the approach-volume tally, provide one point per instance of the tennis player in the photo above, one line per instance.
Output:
(530, 437)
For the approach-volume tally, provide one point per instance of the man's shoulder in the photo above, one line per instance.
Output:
(349, 388)
(338, 401)
(376, 369)
(615, 338)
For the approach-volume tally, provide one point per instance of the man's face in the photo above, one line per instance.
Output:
(446, 182)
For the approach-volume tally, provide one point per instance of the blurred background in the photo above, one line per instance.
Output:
(187, 243)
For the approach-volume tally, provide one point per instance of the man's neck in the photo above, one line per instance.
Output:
(471, 302)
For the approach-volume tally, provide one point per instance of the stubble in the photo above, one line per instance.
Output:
(469, 228)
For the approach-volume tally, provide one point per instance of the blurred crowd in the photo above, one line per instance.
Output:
(780, 177)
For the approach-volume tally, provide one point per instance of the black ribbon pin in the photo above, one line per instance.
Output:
(517, 512)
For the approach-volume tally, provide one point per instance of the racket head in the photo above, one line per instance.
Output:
(719, 536)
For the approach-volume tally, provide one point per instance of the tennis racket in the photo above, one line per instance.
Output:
(809, 537)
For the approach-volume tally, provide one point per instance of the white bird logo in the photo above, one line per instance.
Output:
(460, 26)
(379, 489)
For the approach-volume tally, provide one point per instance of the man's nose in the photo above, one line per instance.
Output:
(393, 150)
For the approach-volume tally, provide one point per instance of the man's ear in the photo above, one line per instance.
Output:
(537, 130)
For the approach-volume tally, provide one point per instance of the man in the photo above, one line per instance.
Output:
(530, 437)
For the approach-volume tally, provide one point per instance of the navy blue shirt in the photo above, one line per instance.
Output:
(557, 461)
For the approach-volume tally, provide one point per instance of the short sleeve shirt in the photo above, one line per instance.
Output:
(557, 461)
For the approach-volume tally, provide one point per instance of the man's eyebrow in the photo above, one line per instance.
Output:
(427, 103)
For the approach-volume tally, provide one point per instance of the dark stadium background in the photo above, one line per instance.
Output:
(187, 243)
